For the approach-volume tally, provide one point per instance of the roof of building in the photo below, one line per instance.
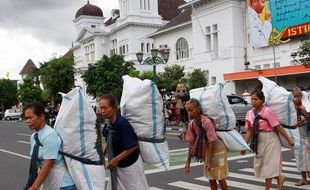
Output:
(168, 9)
(113, 18)
(69, 54)
(28, 68)
(183, 17)
(89, 10)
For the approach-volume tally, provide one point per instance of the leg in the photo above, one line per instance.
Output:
(280, 180)
(303, 180)
(213, 184)
(223, 184)
(268, 183)
(304, 176)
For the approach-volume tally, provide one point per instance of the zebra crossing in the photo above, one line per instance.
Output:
(242, 178)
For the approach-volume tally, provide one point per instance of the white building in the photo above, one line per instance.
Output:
(209, 34)
(217, 38)
(124, 33)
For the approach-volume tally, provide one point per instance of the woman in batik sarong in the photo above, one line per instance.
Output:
(205, 146)
(302, 154)
(267, 147)
(124, 157)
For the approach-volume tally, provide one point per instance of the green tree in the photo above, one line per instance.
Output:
(57, 75)
(304, 52)
(105, 76)
(197, 78)
(28, 92)
(8, 93)
(146, 75)
(170, 77)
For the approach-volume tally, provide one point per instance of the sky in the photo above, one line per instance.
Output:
(38, 30)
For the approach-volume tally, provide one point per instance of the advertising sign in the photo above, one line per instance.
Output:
(277, 21)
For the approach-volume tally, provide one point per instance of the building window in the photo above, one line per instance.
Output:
(276, 64)
(90, 53)
(123, 50)
(212, 40)
(266, 66)
(181, 49)
(142, 47)
(213, 80)
(125, 5)
(148, 47)
(257, 67)
(145, 4)
(93, 26)
(113, 49)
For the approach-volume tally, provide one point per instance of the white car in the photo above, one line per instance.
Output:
(10, 114)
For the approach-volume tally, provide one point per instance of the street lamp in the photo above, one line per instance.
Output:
(154, 59)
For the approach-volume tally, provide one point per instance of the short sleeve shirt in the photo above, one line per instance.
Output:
(125, 139)
(51, 144)
(267, 124)
(193, 130)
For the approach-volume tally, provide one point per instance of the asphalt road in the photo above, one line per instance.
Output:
(14, 158)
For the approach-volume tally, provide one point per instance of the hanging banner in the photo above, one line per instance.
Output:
(277, 21)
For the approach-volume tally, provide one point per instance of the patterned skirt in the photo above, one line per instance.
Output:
(302, 154)
(219, 163)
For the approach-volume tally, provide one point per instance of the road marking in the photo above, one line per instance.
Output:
(14, 153)
(23, 142)
(23, 134)
(176, 167)
(290, 164)
(177, 150)
(155, 188)
(240, 185)
(253, 178)
(185, 185)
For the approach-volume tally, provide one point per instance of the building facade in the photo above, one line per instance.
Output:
(213, 35)
(125, 33)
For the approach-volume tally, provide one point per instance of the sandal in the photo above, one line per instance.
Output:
(281, 181)
(301, 182)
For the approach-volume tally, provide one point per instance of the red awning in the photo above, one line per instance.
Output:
(280, 71)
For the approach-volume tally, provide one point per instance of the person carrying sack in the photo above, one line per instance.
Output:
(267, 147)
(205, 146)
(302, 153)
(125, 162)
(45, 146)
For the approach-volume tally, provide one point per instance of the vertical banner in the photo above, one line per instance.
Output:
(276, 21)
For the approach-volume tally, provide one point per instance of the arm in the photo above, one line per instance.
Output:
(304, 112)
(248, 137)
(281, 130)
(47, 166)
(113, 163)
(188, 162)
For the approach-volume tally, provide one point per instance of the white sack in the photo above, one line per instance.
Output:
(305, 101)
(293, 134)
(142, 105)
(86, 176)
(280, 101)
(149, 153)
(75, 124)
(215, 105)
(233, 140)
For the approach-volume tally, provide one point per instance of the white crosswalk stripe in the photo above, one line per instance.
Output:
(241, 180)
(186, 185)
